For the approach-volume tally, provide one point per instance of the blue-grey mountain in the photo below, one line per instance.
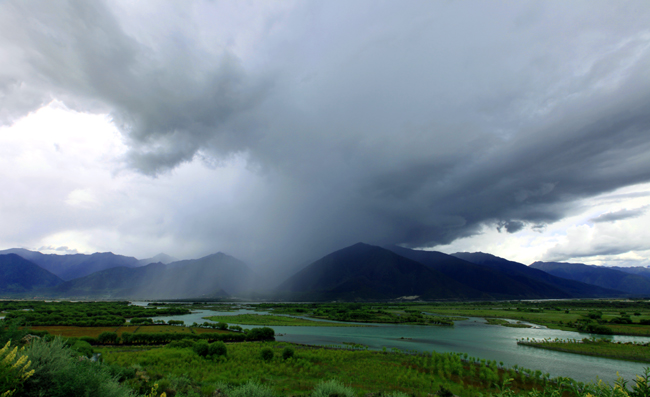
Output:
(549, 285)
(18, 275)
(597, 275)
(216, 275)
(69, 267)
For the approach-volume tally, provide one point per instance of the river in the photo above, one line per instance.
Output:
(473, 336)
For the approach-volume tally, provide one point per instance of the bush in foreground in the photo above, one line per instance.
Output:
(287, 353)
(59, 372)
(333, 388)
(250, 389)
(267, 354)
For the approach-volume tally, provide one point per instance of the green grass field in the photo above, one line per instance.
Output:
(599, 348)
(76, 332)
(270, 320)
(365, 371)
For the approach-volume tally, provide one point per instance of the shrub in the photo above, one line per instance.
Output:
(267, 354)
(10, 331)
(222, 326)
(250, 389)
(444, 392)
(595, 315)
(58, 372)
(217, 349)
(83, 347)
(120, 373)
(108, 337)
(287, 353)
(201, 348)
(141, 321)
(181, 344)
(89, 340)
(332, 388)
(264, 333)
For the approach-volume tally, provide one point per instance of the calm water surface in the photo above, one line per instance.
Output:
(473, 336)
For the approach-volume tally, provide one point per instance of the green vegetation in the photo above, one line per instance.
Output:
(81, 313)
(311, 371)
(588, 316)
(269, 320)
(505, 323)
(594, 347)
(361, 312)
(53, 369)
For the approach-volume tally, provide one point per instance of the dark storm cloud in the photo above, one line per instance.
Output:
(619, 215)
(412, 123)
(511, 226)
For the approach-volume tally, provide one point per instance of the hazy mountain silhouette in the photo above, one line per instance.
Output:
(73, 266)
(160, 258)
(366, 272)
(596, 275)
(545, 283)
(18, 275)
(214, 275)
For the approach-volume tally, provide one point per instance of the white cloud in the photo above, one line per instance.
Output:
(624, 241)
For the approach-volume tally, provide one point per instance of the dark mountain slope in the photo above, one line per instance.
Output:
(213, 275)
(596, 275)
(490, 281)
(69, 267)
(551, 286)
(368, 272)
(639, 271)
(19, 275)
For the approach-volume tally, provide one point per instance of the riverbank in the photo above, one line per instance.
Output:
(638, 352)
(506, 323)
(270, 320)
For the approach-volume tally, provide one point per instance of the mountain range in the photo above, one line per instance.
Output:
(605, 277)
(360, 272)
(19, 275)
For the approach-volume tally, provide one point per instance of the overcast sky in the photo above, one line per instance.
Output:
(278, 132)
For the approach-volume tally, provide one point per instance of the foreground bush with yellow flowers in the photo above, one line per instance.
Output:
(14, 370)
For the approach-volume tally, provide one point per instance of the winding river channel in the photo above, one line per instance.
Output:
(473, 336)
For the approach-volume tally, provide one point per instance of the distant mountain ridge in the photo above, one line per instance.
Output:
(358, 272)
(216, 275)
(18, 275)
(639, 271)
(550, 285)
(160, 258)
(69, 267)
(601, 276)
(492, 282)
